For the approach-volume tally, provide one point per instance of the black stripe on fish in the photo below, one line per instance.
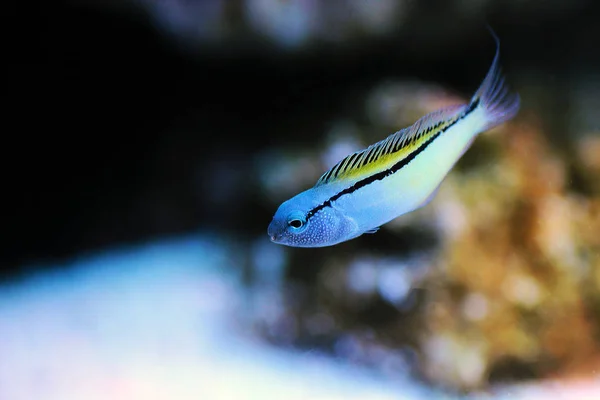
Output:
(392, 144)
(394, 168)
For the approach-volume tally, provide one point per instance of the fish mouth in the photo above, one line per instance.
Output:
(275, 239)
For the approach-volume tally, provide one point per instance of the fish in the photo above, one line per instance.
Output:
(394, 176)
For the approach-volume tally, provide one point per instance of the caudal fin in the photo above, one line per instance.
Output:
(493, 97)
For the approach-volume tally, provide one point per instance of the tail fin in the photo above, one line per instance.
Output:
(493, 97)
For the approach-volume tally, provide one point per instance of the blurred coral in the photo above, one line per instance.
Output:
(528, 251)
(512, 291)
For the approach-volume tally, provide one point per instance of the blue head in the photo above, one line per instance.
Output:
(296, 224)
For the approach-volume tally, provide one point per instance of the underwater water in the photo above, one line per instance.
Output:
(136, 263)
(173, 320)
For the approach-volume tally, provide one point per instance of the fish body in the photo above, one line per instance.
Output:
(394, 176)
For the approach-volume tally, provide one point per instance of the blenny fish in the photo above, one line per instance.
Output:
(395, 176)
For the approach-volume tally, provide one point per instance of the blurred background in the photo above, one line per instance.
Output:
(147, 144)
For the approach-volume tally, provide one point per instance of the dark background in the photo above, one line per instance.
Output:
(113, 132)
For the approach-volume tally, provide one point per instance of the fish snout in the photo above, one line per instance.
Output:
(272, 231)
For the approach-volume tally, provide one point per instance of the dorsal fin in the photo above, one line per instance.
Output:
(393, 148)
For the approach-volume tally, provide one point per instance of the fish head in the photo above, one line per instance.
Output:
(297, 224)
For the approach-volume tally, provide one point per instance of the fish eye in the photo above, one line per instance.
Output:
(296, 223)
